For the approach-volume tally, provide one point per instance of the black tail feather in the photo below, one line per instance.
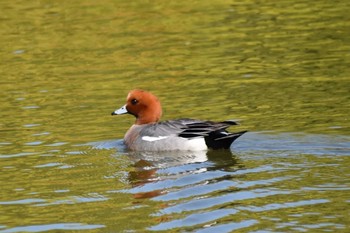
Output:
(221, 139)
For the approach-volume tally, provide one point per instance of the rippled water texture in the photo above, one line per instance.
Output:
(280, 68)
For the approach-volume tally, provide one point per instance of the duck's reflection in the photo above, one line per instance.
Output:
(163, 168)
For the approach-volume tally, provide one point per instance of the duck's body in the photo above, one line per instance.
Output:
(147, 134)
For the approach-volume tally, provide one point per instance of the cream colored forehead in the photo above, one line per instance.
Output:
(132, 96)
(139, 95)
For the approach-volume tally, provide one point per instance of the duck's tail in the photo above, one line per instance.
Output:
(221, 139)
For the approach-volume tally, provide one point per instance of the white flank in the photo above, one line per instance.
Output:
(196, 144)
(152, 139)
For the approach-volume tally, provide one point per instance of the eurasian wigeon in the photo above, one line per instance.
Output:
(148, 134)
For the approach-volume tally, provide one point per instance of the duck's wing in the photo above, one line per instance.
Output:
(214, 133)
(196, 128)
(186, 128)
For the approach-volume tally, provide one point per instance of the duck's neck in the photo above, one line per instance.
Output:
(148, 117)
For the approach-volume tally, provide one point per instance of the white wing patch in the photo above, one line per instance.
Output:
(152, 139)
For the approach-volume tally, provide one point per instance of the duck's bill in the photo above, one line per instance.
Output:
(120, 111)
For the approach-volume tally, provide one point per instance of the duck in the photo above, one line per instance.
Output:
(148, 133)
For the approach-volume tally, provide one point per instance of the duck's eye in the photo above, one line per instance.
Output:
(134, 101)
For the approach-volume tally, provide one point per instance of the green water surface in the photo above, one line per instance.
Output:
(281, 68)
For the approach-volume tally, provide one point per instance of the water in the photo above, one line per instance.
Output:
(280, 69)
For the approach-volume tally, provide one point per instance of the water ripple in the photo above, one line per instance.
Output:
(196, 204)
(194, 219)
(52, 227)
(227, 227)
(276, 206)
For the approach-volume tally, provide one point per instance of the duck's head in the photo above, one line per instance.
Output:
(143, 105)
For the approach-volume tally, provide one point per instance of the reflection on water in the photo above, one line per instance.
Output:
(212, 190)
(183, 169)
(279, 67)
